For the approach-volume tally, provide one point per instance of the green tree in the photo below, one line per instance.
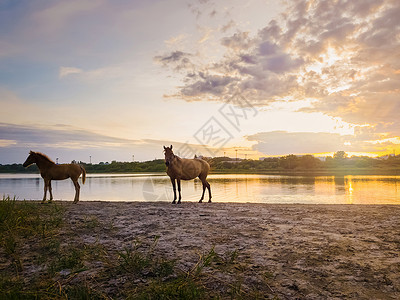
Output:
(289, 162)
(340, 155)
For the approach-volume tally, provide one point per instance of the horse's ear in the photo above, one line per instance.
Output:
(171, 147)
(31, 152)
(165, 148)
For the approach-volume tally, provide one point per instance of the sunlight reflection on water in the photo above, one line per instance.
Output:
(225, 188)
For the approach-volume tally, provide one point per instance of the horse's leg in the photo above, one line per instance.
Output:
(51, 192)
(209, 191)
(204, 189)
(174, 188)
(179, 190)
(77, 189)
(45, 190)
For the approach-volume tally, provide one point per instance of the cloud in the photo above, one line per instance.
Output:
(207, 84)
(200, 8)
(283, 142)
(176, 40)
(62, 141)
(343, 57)
(178, 60)
(207, 34)
(263, 72)
(66, 71)
(108, 73)
(55, 136)
(7, 143)
(257, 65)
(231, 24)
(238, 41)
(71, 143)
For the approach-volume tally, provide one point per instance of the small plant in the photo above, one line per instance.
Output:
(82, 292)
(9, 216)
(26, 218)
(236, 291)
(9, 244)
(132, 260)
(163, 268)
(51, 246)
(94, 251)
(138, 260)
(205, 260)
(177, 288)
(91, 222)
(10, 288)
(71, 259)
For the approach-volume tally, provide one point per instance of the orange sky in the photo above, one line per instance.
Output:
(112, 79)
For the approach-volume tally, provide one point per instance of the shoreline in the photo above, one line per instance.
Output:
(195, 202)
(297, 172)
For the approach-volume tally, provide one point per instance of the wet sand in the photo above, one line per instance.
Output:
(289, 251)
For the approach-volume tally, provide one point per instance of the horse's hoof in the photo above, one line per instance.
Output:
(209, 201)
(174, 202)
(179, 202)
(200, 201)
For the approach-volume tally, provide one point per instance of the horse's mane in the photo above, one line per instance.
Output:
(44, 156)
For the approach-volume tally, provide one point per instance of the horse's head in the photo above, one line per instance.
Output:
(30, 160)
(169, 155)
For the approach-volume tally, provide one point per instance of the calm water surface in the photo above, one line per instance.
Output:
(225, 188)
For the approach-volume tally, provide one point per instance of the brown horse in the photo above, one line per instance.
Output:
(51, 171)
(186, 169)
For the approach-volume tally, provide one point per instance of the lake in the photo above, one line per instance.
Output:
(253, 188)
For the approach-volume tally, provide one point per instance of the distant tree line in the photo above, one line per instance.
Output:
(289, 163)
(157, 165)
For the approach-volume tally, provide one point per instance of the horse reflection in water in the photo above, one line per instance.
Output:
(49, 171)
(186, 169)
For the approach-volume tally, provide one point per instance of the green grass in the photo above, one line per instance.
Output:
(25, 219)
(141, 260)
(46, 259)
(70, 260)
(178, 288)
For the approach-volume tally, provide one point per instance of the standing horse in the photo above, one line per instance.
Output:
(186, 169)
(51, 171)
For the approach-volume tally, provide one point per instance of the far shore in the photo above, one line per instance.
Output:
(297, 172)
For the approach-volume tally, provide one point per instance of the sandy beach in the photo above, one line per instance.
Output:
(284, 251)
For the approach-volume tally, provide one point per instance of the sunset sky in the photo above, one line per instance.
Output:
(111, 79)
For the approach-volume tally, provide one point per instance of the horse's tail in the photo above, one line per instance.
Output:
(83, 174)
